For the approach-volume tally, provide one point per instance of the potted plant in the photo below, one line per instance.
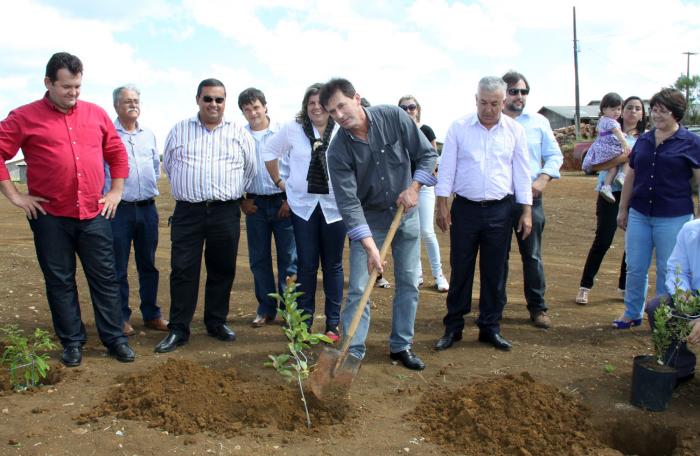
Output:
(654, 377)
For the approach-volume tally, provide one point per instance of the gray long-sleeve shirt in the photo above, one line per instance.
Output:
(368, 176)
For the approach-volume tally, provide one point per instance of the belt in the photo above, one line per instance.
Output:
(210, 203)
(486, 203)
(274, 196)
(143, 203)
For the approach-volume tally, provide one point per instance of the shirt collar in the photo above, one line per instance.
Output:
(196, 120)
(475, 120)
(49, 104)
(119, 127)
(272, 127)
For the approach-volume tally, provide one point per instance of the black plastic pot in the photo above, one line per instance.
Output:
(652, 383)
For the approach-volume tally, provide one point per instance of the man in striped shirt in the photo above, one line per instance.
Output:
(209, 161)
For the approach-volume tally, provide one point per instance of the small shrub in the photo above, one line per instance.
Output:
(26, 355)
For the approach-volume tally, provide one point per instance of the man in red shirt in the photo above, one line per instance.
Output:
(65, 144)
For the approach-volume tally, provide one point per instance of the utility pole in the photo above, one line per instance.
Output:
(577, 115)
(687, 75)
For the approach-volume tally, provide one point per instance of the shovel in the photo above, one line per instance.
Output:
(336, 369)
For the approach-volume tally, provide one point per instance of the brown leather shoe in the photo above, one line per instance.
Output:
(541, 320)
(159, 324)
(128, 329)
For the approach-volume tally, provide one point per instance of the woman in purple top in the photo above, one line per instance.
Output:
(656, 199)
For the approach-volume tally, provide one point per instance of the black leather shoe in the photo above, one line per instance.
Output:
(222, 332)
(495, 339)
(72, 356)
(170, 343)
(408, 359)
(447, 340)
(122, 352)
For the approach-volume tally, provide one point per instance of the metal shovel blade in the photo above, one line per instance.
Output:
(334, 373)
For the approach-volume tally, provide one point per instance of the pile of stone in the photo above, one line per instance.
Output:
(567, 135)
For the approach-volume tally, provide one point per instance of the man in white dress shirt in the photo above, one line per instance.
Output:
(209, 161)
(485, 164)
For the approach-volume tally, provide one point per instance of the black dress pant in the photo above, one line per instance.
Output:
(484, 230)
(58, 240)
(606, 225)
(213, 228)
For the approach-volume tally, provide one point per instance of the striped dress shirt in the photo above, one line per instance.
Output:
(205, 165)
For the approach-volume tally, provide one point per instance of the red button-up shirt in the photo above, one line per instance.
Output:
(65, 154)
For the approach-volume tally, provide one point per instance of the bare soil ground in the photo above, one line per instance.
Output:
(210, 397)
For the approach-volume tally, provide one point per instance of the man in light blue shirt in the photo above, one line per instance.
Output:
(682, 272)
(545, 160)
(267, 213)
(137, 218)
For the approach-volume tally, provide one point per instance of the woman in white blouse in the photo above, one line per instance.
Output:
(319, 230)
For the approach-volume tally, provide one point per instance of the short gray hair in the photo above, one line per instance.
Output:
(492, 84)
(116, 92)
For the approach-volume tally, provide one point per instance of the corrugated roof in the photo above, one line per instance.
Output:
(569, 111)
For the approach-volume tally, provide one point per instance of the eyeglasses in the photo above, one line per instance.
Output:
(412, 107)
(513, 92)
(659, 110)
(208, 99)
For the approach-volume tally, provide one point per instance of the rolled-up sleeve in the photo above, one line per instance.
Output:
(551, 153)
(344, 184)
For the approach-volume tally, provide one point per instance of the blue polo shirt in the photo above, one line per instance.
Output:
(662, 174)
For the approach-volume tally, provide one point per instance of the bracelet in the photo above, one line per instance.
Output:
(277, 182)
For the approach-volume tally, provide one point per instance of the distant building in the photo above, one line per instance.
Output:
(563, 116)
(18, 171)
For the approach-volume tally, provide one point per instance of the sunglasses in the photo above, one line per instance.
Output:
(412, 107)
(513, 92)
(208, 99)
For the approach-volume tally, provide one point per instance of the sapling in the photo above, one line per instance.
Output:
(295, 363)
(672, 320)
(21, 353)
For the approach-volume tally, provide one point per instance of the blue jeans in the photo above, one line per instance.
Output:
(426, 214)
(260, 227)
(137, 224)
(645, 234)
(530, 249)
(317, 239)
(677, 355)
(57, 241)
(404, 250)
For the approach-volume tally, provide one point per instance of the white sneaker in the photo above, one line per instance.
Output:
(606, 192)
(442, 284)
(620, 178)
(582, 296)
(621, 293)
(420, 281)
(382, 283)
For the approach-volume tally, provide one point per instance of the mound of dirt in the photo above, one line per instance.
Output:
(510, 415)
(183, 397)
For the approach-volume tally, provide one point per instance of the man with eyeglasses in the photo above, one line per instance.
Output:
(545, 160)
(136, 220)
(485, 165)
(210, 161)
(66, 143)
(267, 213)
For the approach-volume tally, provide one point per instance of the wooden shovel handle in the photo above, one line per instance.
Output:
(347, 338)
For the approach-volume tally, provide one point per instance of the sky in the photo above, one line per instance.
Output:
(436, 50)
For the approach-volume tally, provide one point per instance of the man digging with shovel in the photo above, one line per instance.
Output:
(370, 165)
